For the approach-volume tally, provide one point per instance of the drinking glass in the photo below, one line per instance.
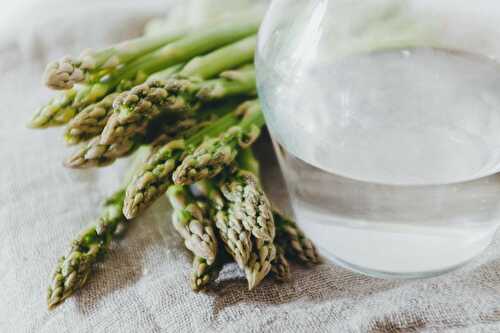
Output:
(385, 115)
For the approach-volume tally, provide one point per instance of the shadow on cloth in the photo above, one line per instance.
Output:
(308, 285)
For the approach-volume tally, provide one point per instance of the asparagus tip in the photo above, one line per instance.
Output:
(63, 74)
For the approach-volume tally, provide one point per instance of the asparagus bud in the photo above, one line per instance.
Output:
(250, 204)
(90, 122)
(74, 269)
(213, 155)
(279, 266)
(259, 264)
(293, 240)
(191, 223)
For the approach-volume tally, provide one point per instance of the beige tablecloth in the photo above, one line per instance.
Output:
(142, 287)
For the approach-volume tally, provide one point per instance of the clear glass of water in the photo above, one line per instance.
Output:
(385, 115)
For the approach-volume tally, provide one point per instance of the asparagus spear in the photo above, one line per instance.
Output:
(197, 43)
(249, 204)
(145, 102)
(293, 240)
(253, 249)
(95, 154)
(182, 50)
(214, 154)
(191, 223)
(119, 137)
(58, 111)
(280, 268)
(255, 256)
(90, 66)
(154, 178)
(259, 263)
(63, 107)
(203, 273)
(73, 270)
(191, 220)
(256, 260)
(236, 239)
(289, 237)
(91, 121)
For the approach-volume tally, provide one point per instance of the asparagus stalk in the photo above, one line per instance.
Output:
(180, 51)
(249, 204)
(259, 263)
(62, 108)
(239, 81)
(255, 256)
(280, 268)
(58, 111)
(147, 101)
(245, 228)
(184, 49)
(122, 131)
(236, 239)
(214, 154)
(90, 66)
(156, 175)
(203, 273)
(293, 240)
(191, 223)
(73, 269)
(191, 220)
(289, 237)
(91, 121)
(95, 154)
(222, 59)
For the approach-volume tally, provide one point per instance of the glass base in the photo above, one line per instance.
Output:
(329, 257)
(392, 250)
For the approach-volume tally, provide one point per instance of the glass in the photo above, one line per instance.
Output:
(385, 115)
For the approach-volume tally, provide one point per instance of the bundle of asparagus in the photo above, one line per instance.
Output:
(187, 99)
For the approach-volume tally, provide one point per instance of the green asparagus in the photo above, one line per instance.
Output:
(73, 269)
(236, 239)
(259, 263)
(136, 72)
(280, 268)
(192, 224)
(249, 204)
(146, 101)
(156, 175)
(203, 273)
(293, 240)
(59, 110)
(289, 237)
(214, 154)
(95, 154)
(179, 95)
(90, 66)
(90, 121)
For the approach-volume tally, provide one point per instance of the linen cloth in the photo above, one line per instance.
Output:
(142, 286)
